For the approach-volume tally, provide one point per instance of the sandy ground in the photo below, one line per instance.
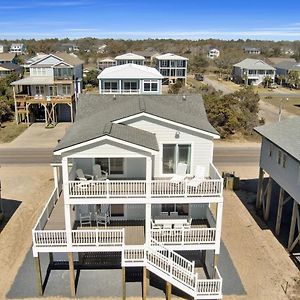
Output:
(31, 185)
(262, 263)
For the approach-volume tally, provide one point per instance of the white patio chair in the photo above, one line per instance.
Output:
(164, 213)
(167, 226)
(85, 219)
(198, 178)
(174, 214)
(83, 177)
(180, 173)
(188, 225)
(103, 216)
(98, 173)
(178, 226)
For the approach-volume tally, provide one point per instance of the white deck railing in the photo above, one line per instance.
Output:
(92, 237)
(137, 188)
(184, 236)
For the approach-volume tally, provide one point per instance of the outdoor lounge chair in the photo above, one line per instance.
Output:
(180, 173)
(83, 177)
(103, 216)
(198, 178)
(85, 219)
(98, 173)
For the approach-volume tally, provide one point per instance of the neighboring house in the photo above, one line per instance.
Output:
(130, 79)
(252, 50)
(283, 68)
(10, 68)
(213, 53)
(252, 71)
(69, 47)
(173, 67)
(149, 56)
(276, 60)
(280, 158)
(134, 213)
(50, 91)
(1, 48)
(17, 48)
(101, 49)
(105, 63)
(7, 58)
(289, 52)
(31, 60)
(129, 58)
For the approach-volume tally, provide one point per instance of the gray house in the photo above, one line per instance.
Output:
(280, 158)
(252, 71)
(283, 68)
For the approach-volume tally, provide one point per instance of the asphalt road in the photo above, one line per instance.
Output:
(222, 155)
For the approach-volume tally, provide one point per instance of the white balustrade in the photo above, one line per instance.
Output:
(49, 238)
(184, 236)
(137, 188)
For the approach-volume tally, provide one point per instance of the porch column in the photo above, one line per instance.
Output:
(219, 213)
(55, 176)
(168, 290)
(268, 199)
(72, 274)
(120, 86)
(39, 281)
(293, 225)
(124, 283)
(259, 188)
(145, 282)
(67, 207)
(148, 199)
(279, 211)
(16, 108)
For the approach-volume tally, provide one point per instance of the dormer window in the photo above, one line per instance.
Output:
(279, 157)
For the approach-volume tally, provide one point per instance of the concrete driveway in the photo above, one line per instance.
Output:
(37, 136)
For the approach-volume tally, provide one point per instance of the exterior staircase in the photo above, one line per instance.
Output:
(173, 268)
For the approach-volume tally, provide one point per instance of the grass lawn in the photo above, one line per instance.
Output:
(290, 105)
(10, 130)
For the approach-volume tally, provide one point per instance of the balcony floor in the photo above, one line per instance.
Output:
(134, 229)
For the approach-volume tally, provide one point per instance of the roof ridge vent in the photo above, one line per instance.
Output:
(184, 97)
(107, 128)
(142, 105)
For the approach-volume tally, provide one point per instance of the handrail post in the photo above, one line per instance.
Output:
(107, 188)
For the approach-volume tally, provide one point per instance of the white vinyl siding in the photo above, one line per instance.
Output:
(288, 176)
(201, 146)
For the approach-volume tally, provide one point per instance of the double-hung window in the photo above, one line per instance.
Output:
(111, 85)
(174, 154)
(130, 85)
(112, 165)
(150, 86)
(66, 89)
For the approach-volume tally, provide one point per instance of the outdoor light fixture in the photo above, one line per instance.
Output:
(177, 135)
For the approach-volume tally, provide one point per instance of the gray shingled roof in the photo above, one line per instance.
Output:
(95, 112)
(285, 134)
(288, 65)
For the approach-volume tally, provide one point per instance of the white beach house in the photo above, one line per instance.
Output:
(134, 176)
(130, 79)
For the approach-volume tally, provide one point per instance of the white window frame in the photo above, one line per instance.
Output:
(151, 82)
(161, 156)
(110, 82)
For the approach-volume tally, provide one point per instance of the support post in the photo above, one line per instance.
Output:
(219, 212)
(55, 176)
(71, 109)
(168, 290)
(124, 283)
(50, 258)
(259, 188)
(268, 199)
(279, 211)
(27, 114)
(39, 281)
(148, 197)
(293, 225)
(145, 282)
(72, 274)
(16, 107)
(216, 261)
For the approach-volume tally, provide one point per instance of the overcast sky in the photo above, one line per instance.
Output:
(273, 20)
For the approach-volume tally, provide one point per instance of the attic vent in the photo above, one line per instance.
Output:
(142, 105)
(183, 97)
(107, 128)
(114, 97)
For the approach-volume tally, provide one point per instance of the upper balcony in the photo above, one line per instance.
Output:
(90, 191)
